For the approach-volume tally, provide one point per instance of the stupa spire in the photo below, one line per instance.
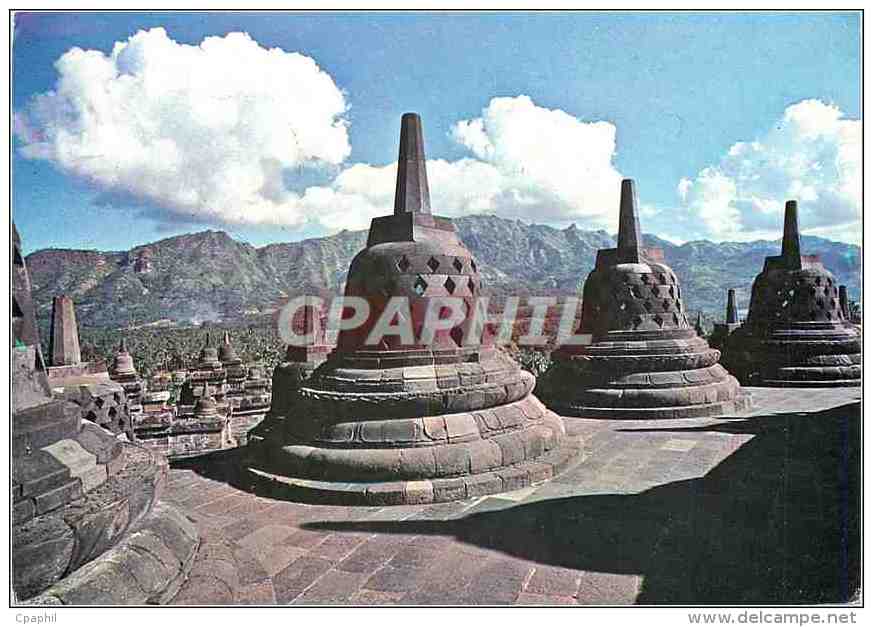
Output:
(731, 316)
(790, 234)
(629, 238)
(412, 194)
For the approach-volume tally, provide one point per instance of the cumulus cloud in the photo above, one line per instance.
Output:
(526, 161)
(201, 133)
(812, 154)
(223, 132)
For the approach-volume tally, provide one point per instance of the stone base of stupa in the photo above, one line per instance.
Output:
(423, 434)
(809, 354)
(88, 527)
(641, 380)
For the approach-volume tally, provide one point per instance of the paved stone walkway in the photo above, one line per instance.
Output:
(759, 508)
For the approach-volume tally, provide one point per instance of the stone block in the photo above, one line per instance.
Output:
(449, 489)
(23, 511)
(461, 427)
(482, 484)
(392, 493)
(452, 460)
(418, 492)
(514, 478)
(52, 499)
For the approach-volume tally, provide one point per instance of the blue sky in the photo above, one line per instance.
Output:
(679, 89)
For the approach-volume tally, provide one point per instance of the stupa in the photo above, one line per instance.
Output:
(123, 371)
(412, 420)
(721, 331)
(644, 359)
(87, 523)
(796, 333)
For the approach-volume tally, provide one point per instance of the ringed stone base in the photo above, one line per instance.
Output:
(146, 567)
(723, 408)
(423, 491)
(83, 509)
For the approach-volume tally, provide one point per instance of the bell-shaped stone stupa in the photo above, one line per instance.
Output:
(644, 359)
(796, 332)
(422, 416)
(721, 330)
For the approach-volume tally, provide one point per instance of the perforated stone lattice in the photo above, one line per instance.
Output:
(795, 297)
(627, 299)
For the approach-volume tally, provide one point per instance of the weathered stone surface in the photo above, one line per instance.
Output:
(64, 338)
(412, 418)
(644, 358)
(148, 566)
(796, 332)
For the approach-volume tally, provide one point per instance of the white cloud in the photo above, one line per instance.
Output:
(213, 133)
(527, 162)
(200, 132)
(812, 154)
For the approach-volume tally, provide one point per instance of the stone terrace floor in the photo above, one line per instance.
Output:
(757, 508)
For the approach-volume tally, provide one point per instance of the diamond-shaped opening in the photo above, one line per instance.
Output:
(663, 278)
(457, 334)
(666, 305)
(403, 264)
(637, 321)
(433, 264)
(659, 320)
(648, 305)
(829, 316)
(459, 265)
(419, 286)
(635, 290)
(112, 413)
(656, 291)
(450, 285)
(99, 402)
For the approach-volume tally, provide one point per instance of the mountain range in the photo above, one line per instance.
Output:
(211, 276)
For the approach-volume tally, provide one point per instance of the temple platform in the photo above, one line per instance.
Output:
(761, 507)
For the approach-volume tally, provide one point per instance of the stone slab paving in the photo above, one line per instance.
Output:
(759, 507)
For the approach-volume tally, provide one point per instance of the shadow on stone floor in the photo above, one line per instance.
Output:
(775, 522)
